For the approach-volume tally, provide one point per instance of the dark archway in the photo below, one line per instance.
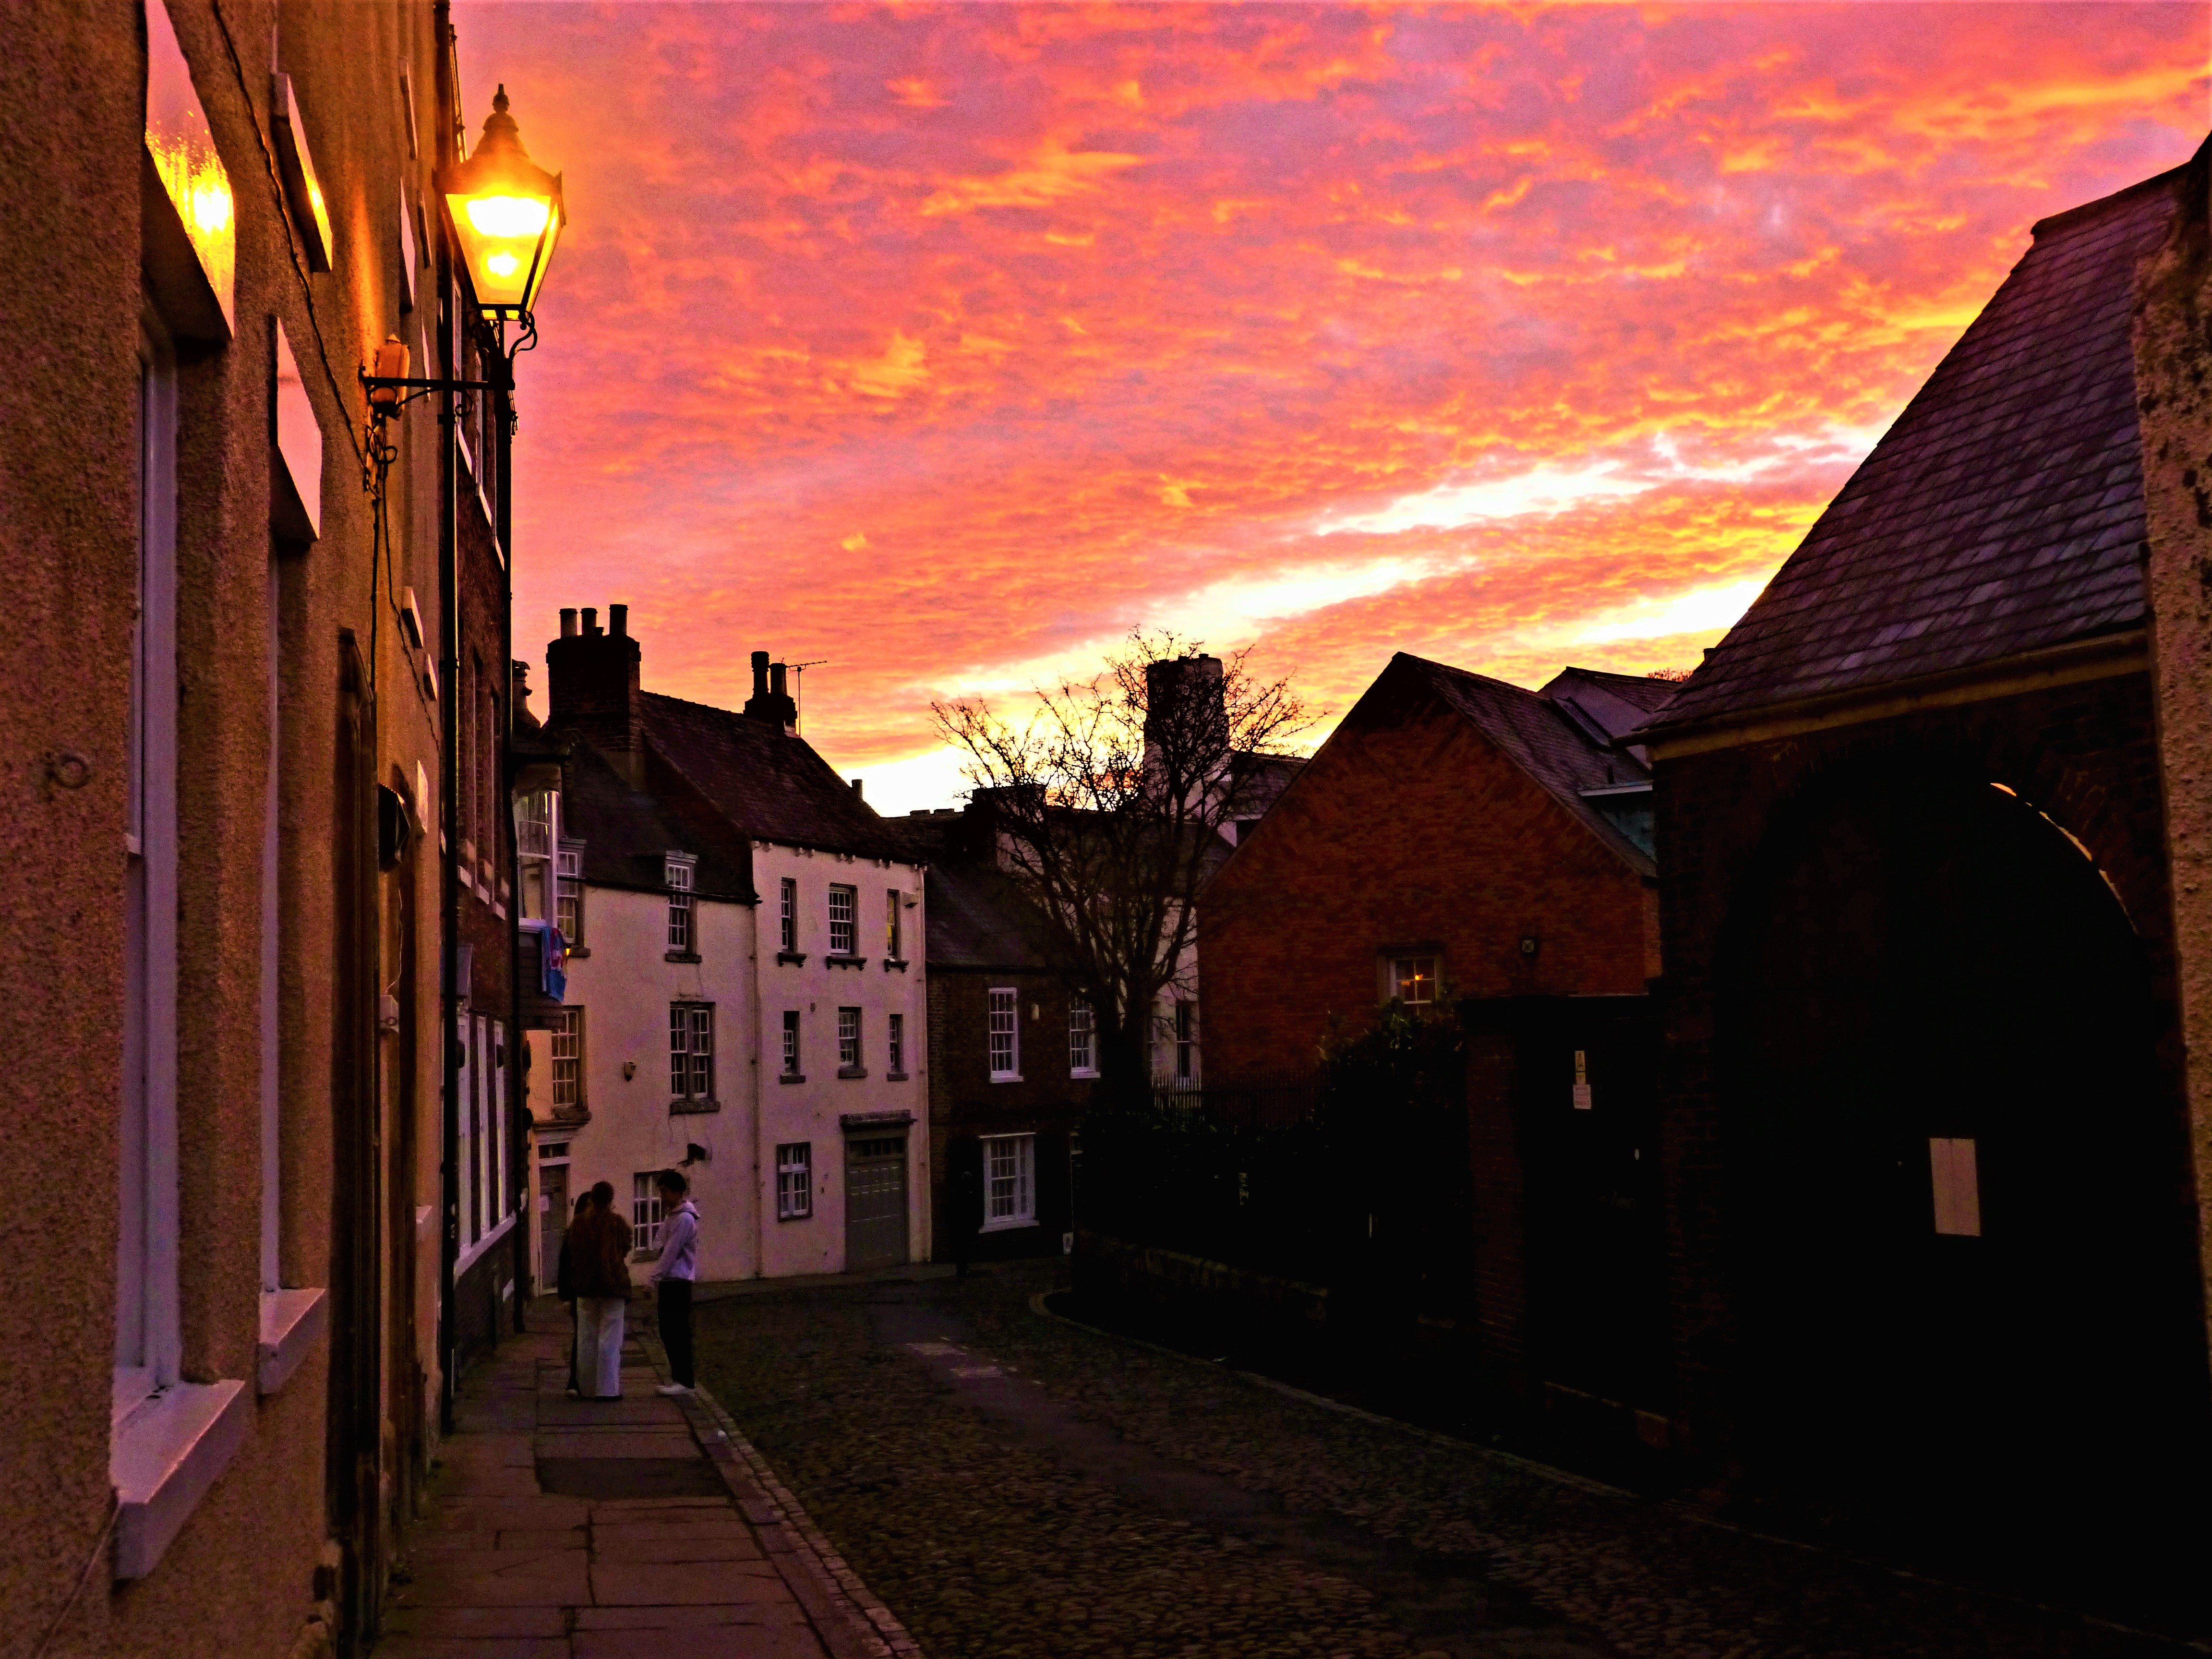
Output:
(1922, 957)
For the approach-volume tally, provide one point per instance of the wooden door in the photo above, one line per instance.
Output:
(552, 1221)
(875, 1203)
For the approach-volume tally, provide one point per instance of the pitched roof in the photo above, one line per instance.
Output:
(1539, 731)
(2004, 510)
(626, 831)
(770, 784)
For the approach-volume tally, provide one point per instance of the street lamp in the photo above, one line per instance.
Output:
(506, 213)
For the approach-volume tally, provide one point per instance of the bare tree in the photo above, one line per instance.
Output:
(1109, 805)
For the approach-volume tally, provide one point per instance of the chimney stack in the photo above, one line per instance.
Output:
(769, 702)
(568, 623)
(595, 689)
(857, 795)
(1185, 706)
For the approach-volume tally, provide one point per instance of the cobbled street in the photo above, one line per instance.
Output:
(1015, 1485)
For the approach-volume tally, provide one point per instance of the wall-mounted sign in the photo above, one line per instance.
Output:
(1582, 1081)
(191, 232)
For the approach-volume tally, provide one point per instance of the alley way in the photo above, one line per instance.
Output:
(1012, 1484)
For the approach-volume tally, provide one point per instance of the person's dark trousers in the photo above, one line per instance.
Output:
(573, 1388)
(675, 1308)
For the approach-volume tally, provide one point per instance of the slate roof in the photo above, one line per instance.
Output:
(2004, 510)
(626, 831)
(771, 785)
(1540, 733)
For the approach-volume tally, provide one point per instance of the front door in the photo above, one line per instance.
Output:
(552, 1222)
(875, 1203)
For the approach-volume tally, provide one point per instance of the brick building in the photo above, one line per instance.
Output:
(1925, 1129)
(1461, 841)
(1013, 1053)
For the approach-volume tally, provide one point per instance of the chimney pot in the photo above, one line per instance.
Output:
(760, 673)
(618, 620)
(856, 790)
(590, 619)
(776, 679)
(569, 622)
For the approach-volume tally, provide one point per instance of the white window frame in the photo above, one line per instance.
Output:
(148, 1324)
(1186, 1040)
(1402, 971)
(1009, 1182)
(792, 1067)
(566, 1041)
(502, 1155)
(845, 926)
(568, 891)
(794, 1181)
(1082, 1036)
(467, 1150)
(691, 1042)
(677, 871)
(849, 1039)
(895, 1045)
(1005, 1006)
(891, 925)
(645, 1210)
(788, 918)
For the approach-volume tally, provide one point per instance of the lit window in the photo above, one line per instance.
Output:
(677, 872)
(895, 1044)
(569, 1059)
(849, 1039)
(1009, 1182)
(1413, 980)
(892, 924)
(794, 1181)
(691, 1050)
(841, 922)
(788, 920)
(1082, 1036)
(645, 1210)
(791, 1043)
(568, 907)
(1005, 1045)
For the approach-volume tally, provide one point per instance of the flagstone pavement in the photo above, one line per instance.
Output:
(563, 1529)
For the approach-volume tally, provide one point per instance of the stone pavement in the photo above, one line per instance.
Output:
(563, 1529)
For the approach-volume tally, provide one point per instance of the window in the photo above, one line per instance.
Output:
(791, 1043)
(569, 1059)
(1082, 1036)
(1413, 980)
(849, 1039)
(789, 918)
(1186, 1039)
(677, 870)
(794, 1181)
(895, 1044)
(645, 1210)
(840, 921)
(1006, 1042)
(691, 1050)
(568, 907)
(1009, 1182)
(891, 927)
(533, 824)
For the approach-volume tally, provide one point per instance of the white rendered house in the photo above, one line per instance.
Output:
(740, 998)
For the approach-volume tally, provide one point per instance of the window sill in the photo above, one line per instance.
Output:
(1007, 1226)
(692, 1107)
(291, 1324)
(852, 1071)
(898, 962)
(1005, 1077)
(1086, 1076)
(796, 958)
(839, 960)
(793, 1077)
(797, 1215)
(580, 950)
(895, 1077)
(164, 1458)
(681, 955)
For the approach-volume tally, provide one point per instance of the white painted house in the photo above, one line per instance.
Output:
(745, 995)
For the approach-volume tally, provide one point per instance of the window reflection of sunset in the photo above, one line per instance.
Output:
(1503, 337)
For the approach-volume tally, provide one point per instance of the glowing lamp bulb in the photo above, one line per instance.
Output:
(506, 213)
(502, 265)
(509, 215)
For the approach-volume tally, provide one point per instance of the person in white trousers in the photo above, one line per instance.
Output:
(602, 1279)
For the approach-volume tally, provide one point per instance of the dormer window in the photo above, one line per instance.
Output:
(678, 869)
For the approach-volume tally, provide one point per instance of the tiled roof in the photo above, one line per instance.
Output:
(2001, 513)
(771, 785)
(1542, 737)
(625, 831)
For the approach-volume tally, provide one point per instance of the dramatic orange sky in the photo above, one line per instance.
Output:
(948, 343)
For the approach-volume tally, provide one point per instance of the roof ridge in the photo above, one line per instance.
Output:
(2091, 210)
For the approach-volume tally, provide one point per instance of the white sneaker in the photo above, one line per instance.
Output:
(671, 1389)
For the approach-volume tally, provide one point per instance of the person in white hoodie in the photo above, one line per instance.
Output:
(672, 1275)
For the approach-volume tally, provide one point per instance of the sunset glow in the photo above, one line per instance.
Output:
(947, 343)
